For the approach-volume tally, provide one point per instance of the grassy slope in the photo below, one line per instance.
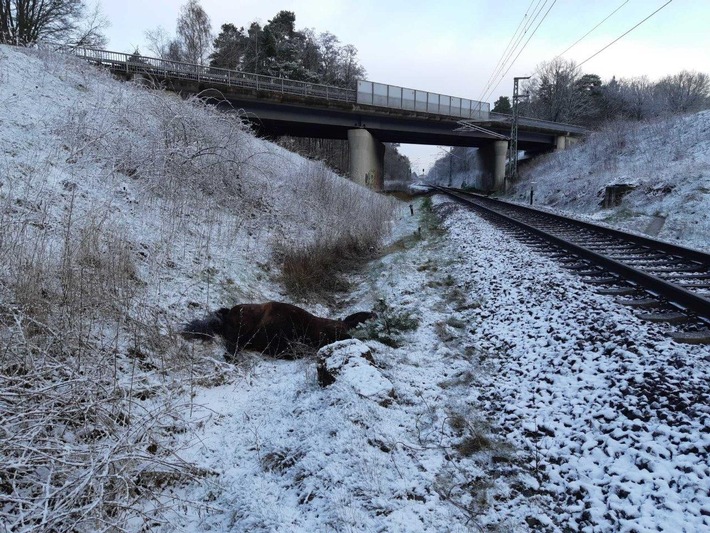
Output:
(125, 211)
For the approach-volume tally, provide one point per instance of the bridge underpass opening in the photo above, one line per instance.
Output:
(481, 168)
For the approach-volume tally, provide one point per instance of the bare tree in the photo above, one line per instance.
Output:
(162, 45)
(329, 46)
(350, 69)
(555, 93)
(89, 32)
(638, 99)
(683, 92)
(27, 21)
(194, 31)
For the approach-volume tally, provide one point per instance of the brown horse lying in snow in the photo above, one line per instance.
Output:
(272, 327)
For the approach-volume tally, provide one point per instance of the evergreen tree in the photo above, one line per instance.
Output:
(590, 99)
(229, 48)
(282, 47)
(502, 105)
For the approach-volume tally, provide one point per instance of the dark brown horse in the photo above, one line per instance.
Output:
(272, 327)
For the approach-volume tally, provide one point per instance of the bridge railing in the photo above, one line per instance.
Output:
(391, 96)
(164, 68)
(368, 93)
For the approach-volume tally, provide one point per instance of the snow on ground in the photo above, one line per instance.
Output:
(519, 405)
(667, 161)
(124, 213)
(522, 402)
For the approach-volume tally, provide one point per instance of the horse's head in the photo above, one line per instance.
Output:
(352, 321)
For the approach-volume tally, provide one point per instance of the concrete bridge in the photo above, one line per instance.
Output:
(367, 117)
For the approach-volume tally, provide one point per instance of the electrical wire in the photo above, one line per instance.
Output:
(537, 10)
(526, 43)
(536, 13)
(489, 89)
(594, 28)
(625, 33)
(500, 59)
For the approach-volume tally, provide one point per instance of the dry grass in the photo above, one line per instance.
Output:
(85, 433)
(94, 386)
(318, 267)
(351, 225)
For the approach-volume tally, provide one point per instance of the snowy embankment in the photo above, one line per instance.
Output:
(124, 212)
(666, 162)
(518, 405)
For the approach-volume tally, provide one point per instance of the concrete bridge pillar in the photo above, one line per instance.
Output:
(494, 157)
(367, 159)
(562, 142)
(500, 148)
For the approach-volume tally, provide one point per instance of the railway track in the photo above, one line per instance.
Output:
(664, 282)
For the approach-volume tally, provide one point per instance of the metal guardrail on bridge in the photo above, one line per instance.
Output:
(368, 93)
(164, 68)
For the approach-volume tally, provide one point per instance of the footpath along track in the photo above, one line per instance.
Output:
(666, 283)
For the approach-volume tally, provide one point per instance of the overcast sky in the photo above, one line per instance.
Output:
(453, 47)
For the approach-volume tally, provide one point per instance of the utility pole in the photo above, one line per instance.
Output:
(451, 158)
(513, 145)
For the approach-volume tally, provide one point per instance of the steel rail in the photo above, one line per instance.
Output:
(675, 294)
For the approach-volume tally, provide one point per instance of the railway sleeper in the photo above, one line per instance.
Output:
(691, 337)
(669, 317)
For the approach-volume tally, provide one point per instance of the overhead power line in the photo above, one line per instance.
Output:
(495, 81)
(536, 13)
(625, 33)
(500, 59)
(523, 48)
(594, 28)
(503, 56)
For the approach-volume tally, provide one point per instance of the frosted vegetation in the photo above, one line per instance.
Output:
(121, 209)
(666, 163)
(497, 402)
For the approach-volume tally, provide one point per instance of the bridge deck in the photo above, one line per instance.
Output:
(289, 107)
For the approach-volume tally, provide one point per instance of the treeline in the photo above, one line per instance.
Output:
(276, 49)
(460, 167)
(559, 91)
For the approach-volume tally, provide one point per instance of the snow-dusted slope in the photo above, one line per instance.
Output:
(517, 404)
(667, 161)
(125, 212)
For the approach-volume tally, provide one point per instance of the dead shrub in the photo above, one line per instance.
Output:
(347, 225)
(318, 267)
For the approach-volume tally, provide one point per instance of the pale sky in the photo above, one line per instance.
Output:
(453, 46)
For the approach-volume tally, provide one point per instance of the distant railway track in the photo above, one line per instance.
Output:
(665, 282)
